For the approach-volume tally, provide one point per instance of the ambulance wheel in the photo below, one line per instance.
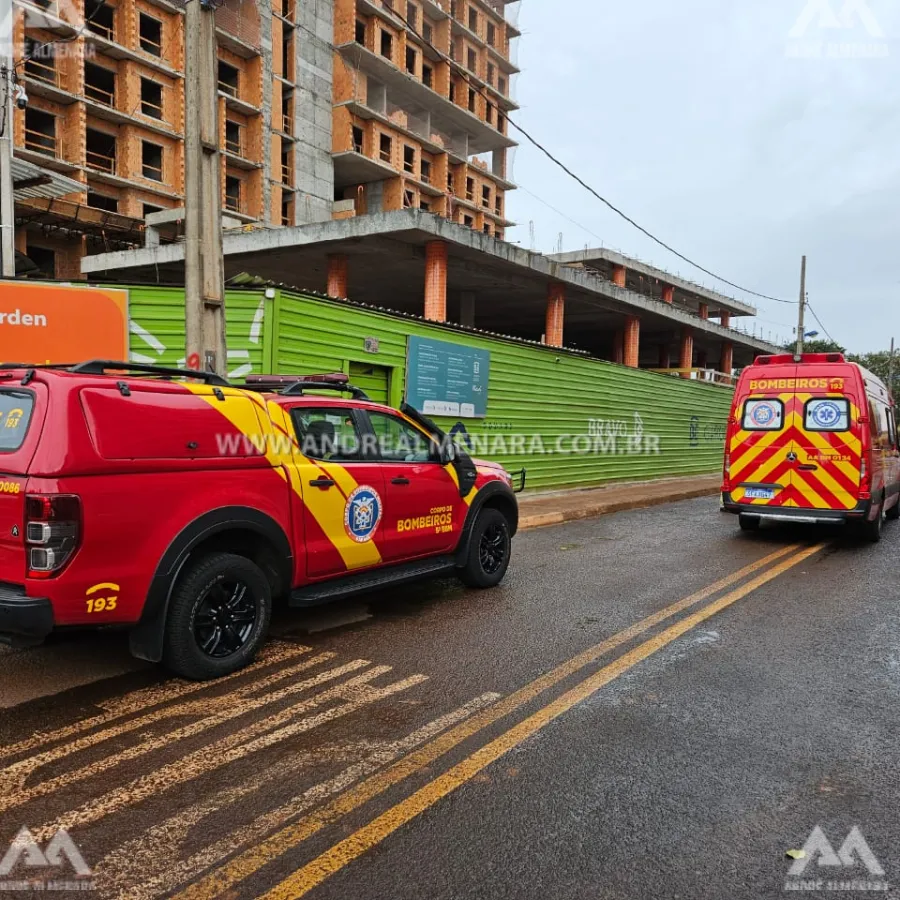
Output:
(749, 523)
(871, 531)
(218, 617)
(894, 512)
(489, 551)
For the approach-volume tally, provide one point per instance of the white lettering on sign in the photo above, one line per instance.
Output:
(17, 317)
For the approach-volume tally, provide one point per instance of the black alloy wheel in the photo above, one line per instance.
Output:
(493, 549)
(224, 618)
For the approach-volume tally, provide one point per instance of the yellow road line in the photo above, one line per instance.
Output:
(356, 692)
(146, 698)
(152, 864)
(256, 857)
(347, 850)
(215, 711)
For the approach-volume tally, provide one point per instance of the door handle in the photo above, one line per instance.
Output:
(809, 468)
(400, 481)
(322, 482)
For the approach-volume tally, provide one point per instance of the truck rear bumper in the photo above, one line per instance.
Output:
(859, 513)
(24, 621)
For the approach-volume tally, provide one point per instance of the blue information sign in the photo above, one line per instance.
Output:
(444, 379)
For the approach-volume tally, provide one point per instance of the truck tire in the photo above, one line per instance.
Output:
(749, 523)
(871, 530)
(489, 551)
(893, 513)
(218, 617)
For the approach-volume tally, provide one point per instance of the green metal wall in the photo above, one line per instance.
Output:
(157, 329)
(533, 390)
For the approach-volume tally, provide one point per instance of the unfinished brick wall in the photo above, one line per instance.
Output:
(349, 83)
(344, 21)
(242, 20)
(172, 31)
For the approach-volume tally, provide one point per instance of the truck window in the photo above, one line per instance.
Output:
(827, 414)
(763, 415)
(15, 414)
(327, 433)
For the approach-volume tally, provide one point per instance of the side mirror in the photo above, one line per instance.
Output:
(448, 452)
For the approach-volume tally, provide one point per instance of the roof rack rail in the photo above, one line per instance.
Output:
(293, 385)
(102, 366)
(21, 365)
(298, 388)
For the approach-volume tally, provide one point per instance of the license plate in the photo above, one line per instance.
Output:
(760, 493)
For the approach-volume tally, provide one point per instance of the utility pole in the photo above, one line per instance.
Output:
(204, 265)
(802, 312)
(7, 202)
(891, 370)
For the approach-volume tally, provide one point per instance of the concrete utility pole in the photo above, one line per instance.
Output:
(204, 265)
(891, 369)
(802, 312)
(7, 203)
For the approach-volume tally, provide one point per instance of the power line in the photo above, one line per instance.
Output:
(559, 212)
(460, 70)
(809, 307)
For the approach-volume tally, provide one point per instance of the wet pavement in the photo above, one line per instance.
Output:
(651, 705)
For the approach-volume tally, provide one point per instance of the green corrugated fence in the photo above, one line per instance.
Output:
(570, 420)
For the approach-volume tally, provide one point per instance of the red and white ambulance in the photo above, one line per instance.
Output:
(812, 438)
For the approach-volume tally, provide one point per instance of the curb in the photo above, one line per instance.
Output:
(595, 510)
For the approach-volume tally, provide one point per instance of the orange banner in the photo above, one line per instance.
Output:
(53, 323)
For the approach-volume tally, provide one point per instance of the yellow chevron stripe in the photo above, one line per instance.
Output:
(471, 495)
(256, 419)
(327, 507)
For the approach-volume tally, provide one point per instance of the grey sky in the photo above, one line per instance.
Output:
(694, 119)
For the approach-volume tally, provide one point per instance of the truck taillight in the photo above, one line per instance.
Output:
(865, 481)
(727, 472)
(52, 532)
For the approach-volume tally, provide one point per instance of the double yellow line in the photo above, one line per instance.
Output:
(344, 852)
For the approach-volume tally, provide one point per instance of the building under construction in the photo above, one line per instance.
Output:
(364, 152)
(327, 110)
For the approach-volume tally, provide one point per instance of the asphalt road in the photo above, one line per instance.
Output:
(651, 705)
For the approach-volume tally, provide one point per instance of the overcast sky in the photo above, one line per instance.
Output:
(699, 120)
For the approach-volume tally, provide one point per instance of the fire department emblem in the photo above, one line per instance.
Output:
(362, 514)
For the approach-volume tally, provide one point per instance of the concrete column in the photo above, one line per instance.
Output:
(619, 347)
(337, 275)
(703, 310)
(556, 304)
(665, 360)
(632, 341)
(436, 281)
(686, 357)
(668, 293)
(726, 319)
(619, 275)
(726, 361)
(467, 309)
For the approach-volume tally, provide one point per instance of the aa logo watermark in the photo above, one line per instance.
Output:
(818, 867)
(55, 15)
(837, 29)
(59, 866)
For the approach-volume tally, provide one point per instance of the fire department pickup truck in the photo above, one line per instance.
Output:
(181, 507)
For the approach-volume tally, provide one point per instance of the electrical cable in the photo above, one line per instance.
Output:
(465, 76)
(830, 338)
(559, 212)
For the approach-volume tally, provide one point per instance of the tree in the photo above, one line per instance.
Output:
(877, 363)
(817, 347)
